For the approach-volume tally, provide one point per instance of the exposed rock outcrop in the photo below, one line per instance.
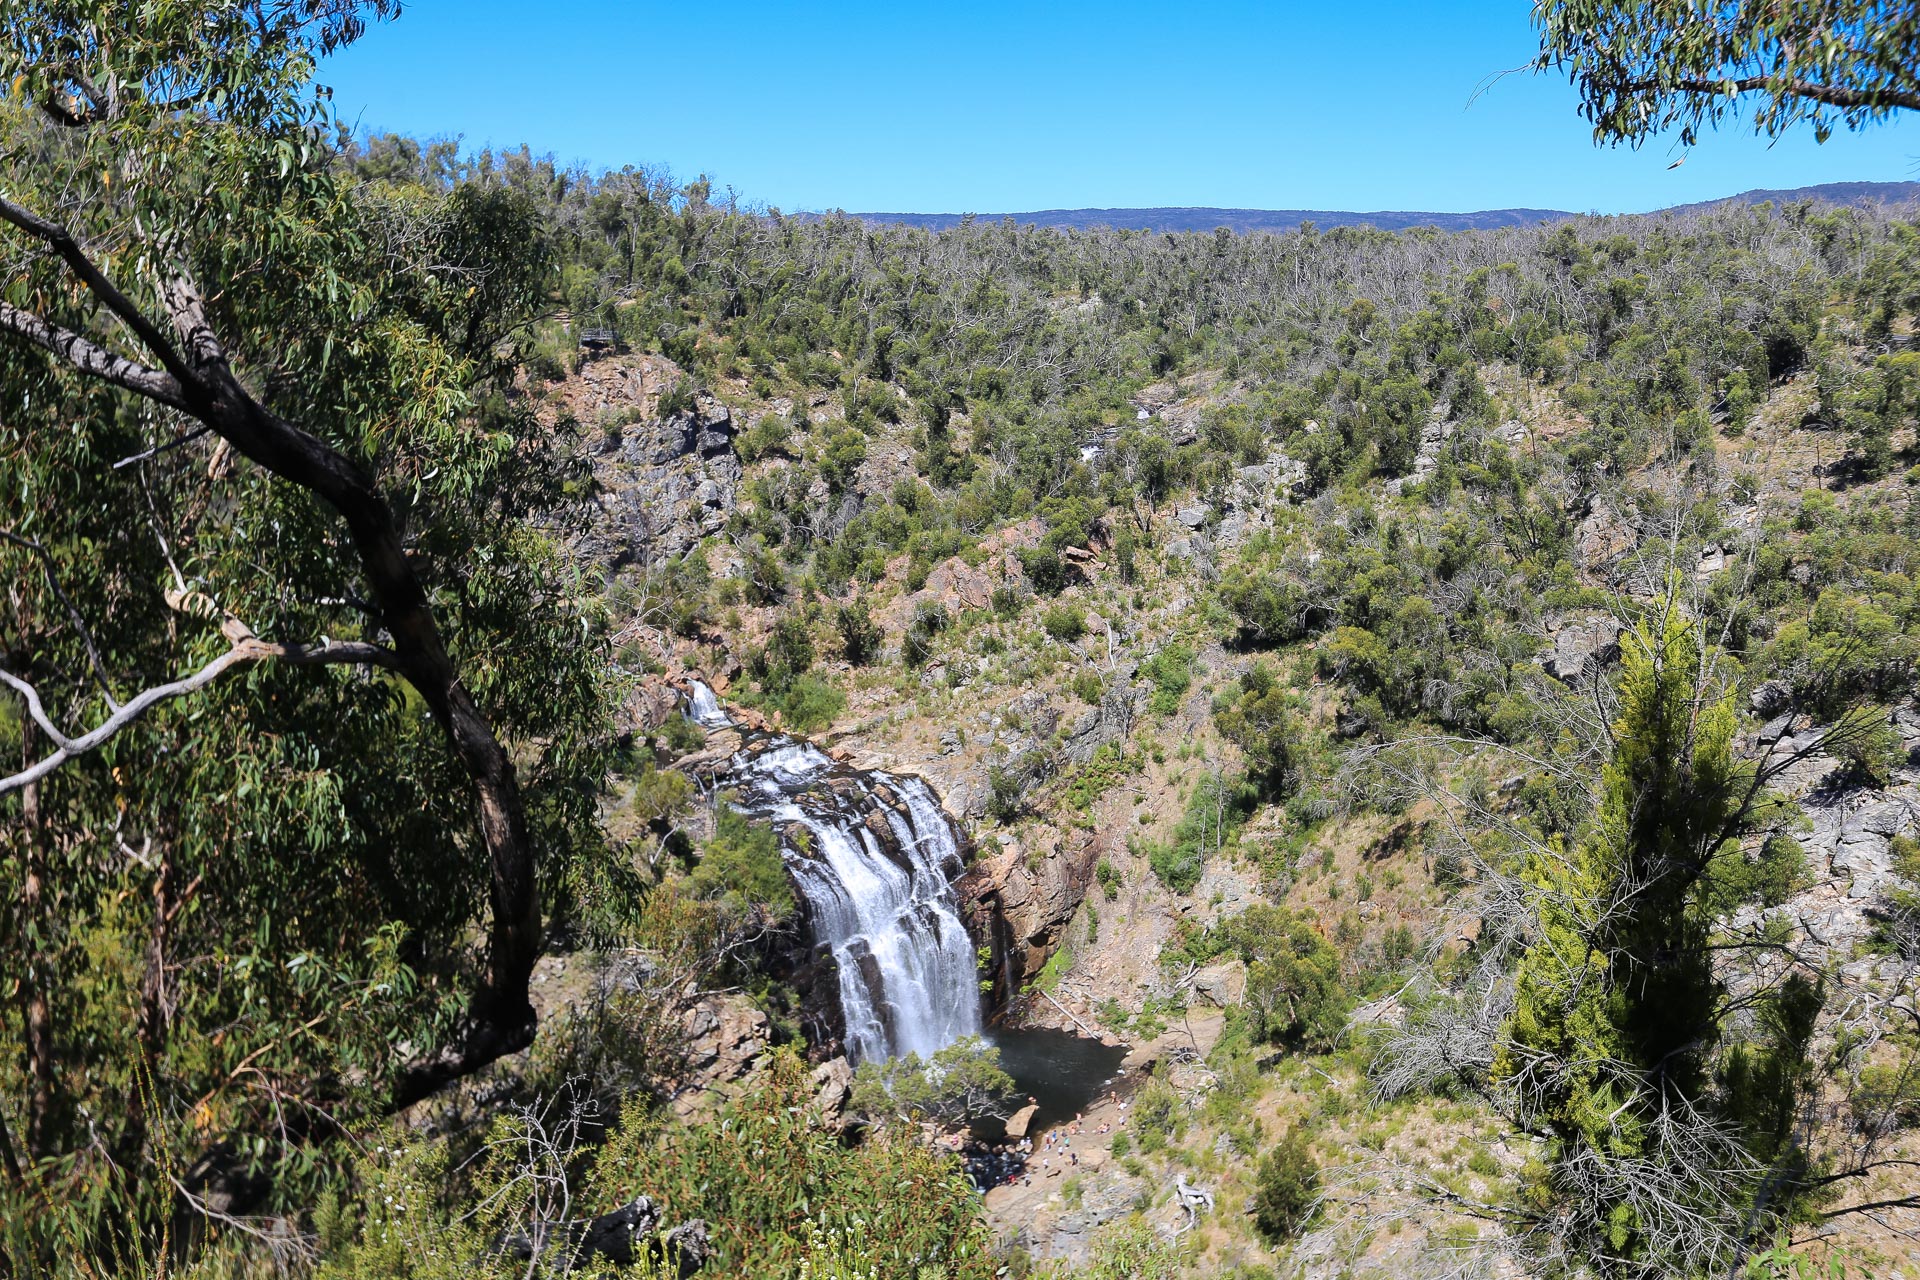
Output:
(1110, 722)
(1020, 904)
(833, 1083)
(1848, 841)
(727, 1039)
(1602, 538)
(1582, 648)
(1222, 985)
(664, 462)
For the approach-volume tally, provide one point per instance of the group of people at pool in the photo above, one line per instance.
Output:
(1013, 1163)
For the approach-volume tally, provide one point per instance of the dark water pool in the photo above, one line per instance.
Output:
(1059, 1070)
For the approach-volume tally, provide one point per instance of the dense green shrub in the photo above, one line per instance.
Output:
(766, 1169)
(860, 636)
(1006, 793)
(810, 704)
(1176, 865)
(1777, 871)
(1288, 1188)
(1064, 622)
(788, 655)
(742, 868)
(1294, 989)
(929, 620)
(1045, 570)
(1219, 804)
(1261, 722)
(958, 1084)
(1157, 1116)
(1171, 672)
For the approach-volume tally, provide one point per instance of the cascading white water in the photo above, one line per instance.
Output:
(705, 709)
(884, 907)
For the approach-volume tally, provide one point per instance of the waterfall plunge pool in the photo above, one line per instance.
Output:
(1061, 1071)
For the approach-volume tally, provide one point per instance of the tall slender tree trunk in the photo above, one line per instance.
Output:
(156, 1006)
(36, 1011)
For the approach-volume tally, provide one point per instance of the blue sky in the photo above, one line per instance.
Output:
(996, 107)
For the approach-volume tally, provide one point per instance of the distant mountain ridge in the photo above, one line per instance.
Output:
(1247, 220)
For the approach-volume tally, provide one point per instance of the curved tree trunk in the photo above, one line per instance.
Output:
(500, 1017)
(196, 378)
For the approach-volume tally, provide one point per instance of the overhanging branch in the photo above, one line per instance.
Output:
(245, 647)
(1824, 94)
(66, 748)
(199, 380)
(61, 241)
(90, 358)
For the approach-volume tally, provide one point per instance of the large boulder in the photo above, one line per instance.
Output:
(1120, 706)
(1770, 698)
(726, 1040)
(1582, 648)
(833, 1088)
(1601, 539)
(958, 586)
(1223, 985)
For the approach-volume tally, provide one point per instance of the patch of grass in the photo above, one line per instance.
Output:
(1057, 966)
(1100, 775)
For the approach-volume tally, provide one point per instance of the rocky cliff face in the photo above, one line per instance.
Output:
(663, 459)
(1848, 836)
(1018, 901)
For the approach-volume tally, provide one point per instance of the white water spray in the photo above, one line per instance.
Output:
(877, 875)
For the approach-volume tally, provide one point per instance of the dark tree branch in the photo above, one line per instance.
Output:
(1862, 1171)
(1826, 95)
(168, 447)
(71, 116)
(1870, 1206)
(90, 358)
(61, 241)
(199, 380)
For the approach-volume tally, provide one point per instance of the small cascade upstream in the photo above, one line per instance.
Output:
(875, 865)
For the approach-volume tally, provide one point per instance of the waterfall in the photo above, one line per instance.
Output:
(876, 866)
(704, 709)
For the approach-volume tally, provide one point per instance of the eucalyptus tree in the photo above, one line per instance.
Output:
(304, 700)
(1645, 66)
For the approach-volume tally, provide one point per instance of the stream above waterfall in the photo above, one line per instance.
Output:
(874, 857)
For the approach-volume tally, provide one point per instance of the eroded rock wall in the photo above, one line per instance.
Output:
(663, 459)
(1018, 899)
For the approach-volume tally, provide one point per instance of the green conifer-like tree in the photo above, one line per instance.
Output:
(1614, 1021)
